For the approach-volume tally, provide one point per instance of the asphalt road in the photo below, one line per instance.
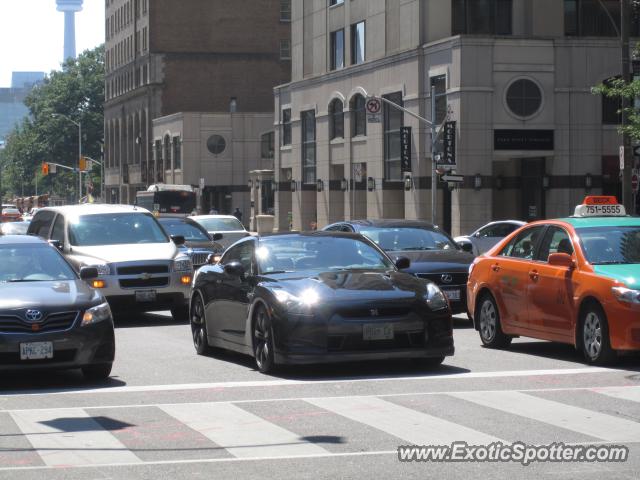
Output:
(167, 413)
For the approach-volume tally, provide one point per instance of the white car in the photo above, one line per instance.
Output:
(488, 235)
(229, 226)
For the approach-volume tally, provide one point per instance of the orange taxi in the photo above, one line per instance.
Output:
(573, 280)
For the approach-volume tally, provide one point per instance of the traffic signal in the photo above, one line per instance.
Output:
(82, 164)
(45, 169)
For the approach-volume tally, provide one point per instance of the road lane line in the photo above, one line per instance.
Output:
(622, 393)
(588, 422)
(410, 425)
(73, 440)
(287, 382)
(241, 433)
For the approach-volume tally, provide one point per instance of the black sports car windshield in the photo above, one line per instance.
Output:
(292, 254)
(32, 263)
(408, 238)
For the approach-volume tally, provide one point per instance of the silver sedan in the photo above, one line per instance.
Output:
(488, 235)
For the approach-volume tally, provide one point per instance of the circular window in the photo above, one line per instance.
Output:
(216, 144)
(524, 98)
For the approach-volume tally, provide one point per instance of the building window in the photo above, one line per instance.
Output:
(482, 17)
(286, 126)
(166, 157)
(145, 39)
(266, 145)
(308, 146)
(335, 2)
(358, 116)
(393, 122)
(285, 10)
(611, 107)
(177, 157)
(336, 119)
(357, 43)
(524, 98)
(216, 144)
(597, 18)
(285, 49)
(337, 49)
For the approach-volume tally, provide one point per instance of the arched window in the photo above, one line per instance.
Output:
(358, 116)
(336, 119)
(611, 106)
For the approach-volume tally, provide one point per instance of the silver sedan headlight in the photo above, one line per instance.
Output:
(434, 297)
(96, 314)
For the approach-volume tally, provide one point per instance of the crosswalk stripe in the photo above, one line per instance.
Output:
(622, 393)
(577, 419)
(241, 433)
(74, 439)
(410, 425)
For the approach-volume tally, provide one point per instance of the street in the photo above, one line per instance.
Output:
(168, 413)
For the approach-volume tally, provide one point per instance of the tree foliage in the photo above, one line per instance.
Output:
(77, 92)
(619, 89)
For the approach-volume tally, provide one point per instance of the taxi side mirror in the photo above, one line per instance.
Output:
(561, 260)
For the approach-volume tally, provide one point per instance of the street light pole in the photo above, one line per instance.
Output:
(627, 191)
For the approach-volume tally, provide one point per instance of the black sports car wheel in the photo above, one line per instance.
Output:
(263, 340)
(199, 327)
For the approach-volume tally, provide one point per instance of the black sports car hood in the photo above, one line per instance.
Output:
(351, 285)
(436, 261)
(57, 295)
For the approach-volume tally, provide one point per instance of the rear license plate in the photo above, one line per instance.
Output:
(377, 331)
(36, 350)
(452, 294)
(145, 296)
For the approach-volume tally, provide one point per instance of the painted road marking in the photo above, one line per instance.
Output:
(242, 433)
(577, 419)
(410, 425)
(286, 382)
(623, 393)
(73, 440)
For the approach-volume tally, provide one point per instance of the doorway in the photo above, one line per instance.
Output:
(532, 202)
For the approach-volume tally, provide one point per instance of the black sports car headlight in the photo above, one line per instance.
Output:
(435, 298)
(302, 303)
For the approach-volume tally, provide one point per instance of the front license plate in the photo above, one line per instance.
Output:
(377, 331)
(36, 350)
(452, 294)
(146, 296)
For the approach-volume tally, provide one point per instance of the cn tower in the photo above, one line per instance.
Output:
(69, 7)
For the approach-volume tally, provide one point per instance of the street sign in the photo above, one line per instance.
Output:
(201, 183)
(634, 182)
(621, 157)
(452, 178)
(405, 149)
(373, 106)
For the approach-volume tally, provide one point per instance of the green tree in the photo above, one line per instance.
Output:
(619, 89)
(77, 92)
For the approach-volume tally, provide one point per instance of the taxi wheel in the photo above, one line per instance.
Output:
(595, 337)
(199, 327)
(488, 320)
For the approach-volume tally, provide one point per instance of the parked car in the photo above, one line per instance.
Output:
(14, 228)
(229, 226)
(140, 267)
(10, 213)
(433, 253)
(488, 235)
(315, 298)
(49, 316)
(198, 244)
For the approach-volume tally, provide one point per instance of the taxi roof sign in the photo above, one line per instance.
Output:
(600, 200)
(600, 206)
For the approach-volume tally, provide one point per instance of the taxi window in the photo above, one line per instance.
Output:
(523, 245)
(556, 240)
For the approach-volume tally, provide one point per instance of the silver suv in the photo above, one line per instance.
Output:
(140, 268)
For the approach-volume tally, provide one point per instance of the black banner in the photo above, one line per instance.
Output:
(449, 140)
(523, 140)
(405, 149)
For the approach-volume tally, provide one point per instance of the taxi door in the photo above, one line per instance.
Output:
(551, 289)
(509, 273)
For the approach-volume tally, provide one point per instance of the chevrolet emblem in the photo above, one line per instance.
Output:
(145, 276)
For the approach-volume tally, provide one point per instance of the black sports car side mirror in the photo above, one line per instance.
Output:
(88, 273)
(234, 269)
(217, 236)
(403, 263)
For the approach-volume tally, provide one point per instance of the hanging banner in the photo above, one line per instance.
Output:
(448, 159)
(405, 149)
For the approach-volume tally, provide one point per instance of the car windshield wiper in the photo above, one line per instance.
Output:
(22, 280)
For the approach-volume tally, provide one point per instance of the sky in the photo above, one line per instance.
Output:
(32, 34)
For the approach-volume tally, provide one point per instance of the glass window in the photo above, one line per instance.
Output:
(524, 97)
(242, 253)
(556, 240)
(224, 224)
(336, 119)
(41, 224)
(482, 17)
(285, 10)
(33, 263)
(285, 49)
(266, 145)
(500, 230)
(335, 2)
(357, 43)
(611, 107)
(177, 153)
(393, 121)
(115, 229)
(308, 146)
(286, 126)
(358, 116)
(191, 231)
(58, 229)
(337, 49)
(611, 245)
(523, 246)
(406, 238)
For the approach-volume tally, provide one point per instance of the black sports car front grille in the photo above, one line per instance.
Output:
(355, 343)
(52, 323)
(386, 312)
(144, 282)
(439, 278)
(140, 269)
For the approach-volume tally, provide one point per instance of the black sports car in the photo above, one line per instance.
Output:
(49, 316)
(317, 297)
(433, 253)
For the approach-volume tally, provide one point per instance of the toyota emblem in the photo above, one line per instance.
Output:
(33, 315)
(374, 312)
(446, 278)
